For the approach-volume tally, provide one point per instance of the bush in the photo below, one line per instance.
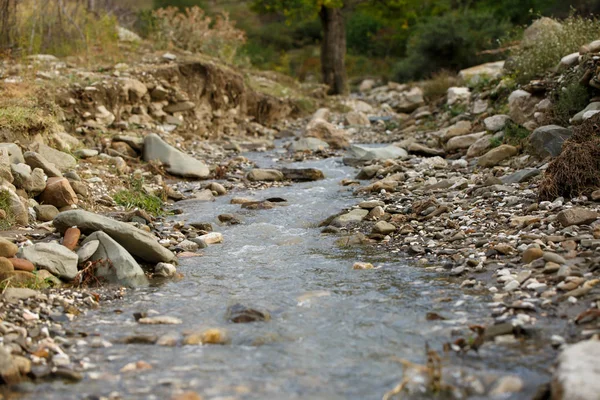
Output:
(192, 30)
(451, 42)
(515, 134)
(569, 100)
(534, 60)
(64, 29)
(438, 85)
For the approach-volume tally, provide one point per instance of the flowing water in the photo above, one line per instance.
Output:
(335, 333)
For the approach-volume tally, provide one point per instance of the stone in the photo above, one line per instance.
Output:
(204, 195)
(138, 242)
(176, 162)
(124, 149)
(61, 160)
(182, 106)
(589, 111)
(208, 336)
(409, 100)
(239, 313)
(132, 89)
(20, 264)
(7, 248)
(6, 267)
(35, 160)
(553, 257)
(577, 372)
(15, 155)
(217, 188)
(364, 153)
(125, 35)
(459, 129)
(18, 210)
(507, 385)
(86, 153)
(370, 204)
(480, 146)
(265, 175)
(479, 106)
(160, 320)
(497, 155)
(464, 142)
(458, 95)
(521, 105)
(65, 142)
(532, 254)
(596, 195)
(165, 270)
(496, 123)
(45, 212)
(87, 250)
(384, 228)
(548, 140)
(187, 245)
(6, 173)
(357, 118)
(309, 144)
(15, 294)
(479, 73)
(355, 215)
(59, 193)
(569, 60)
(362, 265)
(20, 173)
(520, 176)
(211, 238)
(366, 85)
(421, 149)
(576, 216)
(36, 182)
(303, 174)
(114, 263)
(71, 238)
(538, 29)
(9, 370)
(321, 129)
(53, 257)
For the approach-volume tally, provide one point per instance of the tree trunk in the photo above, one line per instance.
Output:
(333, 50)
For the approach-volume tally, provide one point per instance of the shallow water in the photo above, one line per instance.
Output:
(335, 333)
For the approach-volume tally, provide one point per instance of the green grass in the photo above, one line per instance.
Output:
(515, 134)
(7, 222)
(135, 197)
(456, 109)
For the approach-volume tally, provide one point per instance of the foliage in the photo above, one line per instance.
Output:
(63, 28)
(515, 134)
(438, 85)
(194, 31)
(532, 61)
(136, 197)
(495, 142)
(451, 41)
(8, 221)
(569, 100)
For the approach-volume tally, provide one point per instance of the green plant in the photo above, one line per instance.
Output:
(5, 206)
(569, 100)
(495, 142)
(515, 134)
(439, 83)
(194, 31)
(532, 60)
(136, 197)
(456, 109)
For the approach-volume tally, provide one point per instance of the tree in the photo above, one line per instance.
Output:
(333, 45)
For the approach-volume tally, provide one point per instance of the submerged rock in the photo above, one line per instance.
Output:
(239, 313)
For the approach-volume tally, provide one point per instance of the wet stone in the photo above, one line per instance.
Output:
(239, 313)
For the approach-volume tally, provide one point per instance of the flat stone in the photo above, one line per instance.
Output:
(497, 155)
(548, 140)
(63, 161)
(384, 228)
(53, 257)
(175, 161)
(576, 216)
(464, 142)
(355, 215)
(553, 257)
(139, 243)
(87, 250)
(309, 144)
(35, 160)
(14, 294)
(364, 153)
(264, 175)
(496, 123)
(7, 248)
(520, 176)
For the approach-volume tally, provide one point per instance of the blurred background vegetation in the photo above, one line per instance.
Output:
(401, 40)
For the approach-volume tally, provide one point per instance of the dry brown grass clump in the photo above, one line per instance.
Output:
(576, 171)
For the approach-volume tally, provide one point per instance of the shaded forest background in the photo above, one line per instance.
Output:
(401, 40)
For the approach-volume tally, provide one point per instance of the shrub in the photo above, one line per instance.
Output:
(568, 100)
(534, 60)
(515, 134)
(64, 28)
(452, 42)
(194, 31)
(438, 85)
(136, 197)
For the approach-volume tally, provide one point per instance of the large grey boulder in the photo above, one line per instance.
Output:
(364, 153)
(577, 373)
(175, 161)
(53, 257)
(115, 264)
(137, 242)
(63, 161)
(548, 140)
(35, 160)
